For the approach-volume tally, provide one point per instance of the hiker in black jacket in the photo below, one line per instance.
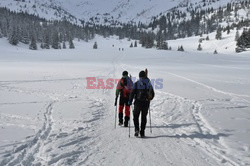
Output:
(143, 93)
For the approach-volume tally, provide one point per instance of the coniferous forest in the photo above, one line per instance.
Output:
(38, 32)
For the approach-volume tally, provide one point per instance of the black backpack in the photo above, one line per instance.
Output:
(144, 92)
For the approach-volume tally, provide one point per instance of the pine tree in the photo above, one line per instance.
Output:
(228, 29)
(135, 45)
(165, 46)
(64, 45)
(13, 39)
(159, 40)
(150, 42)
(131, 45)
(180, 48)
(95, 45)
(46, 44)
(237, 35)
(207, 38)
(243, 42)
(55, 41)
(215, 52)
(71, 44)
(1, 34)
(24, 36)
(218, 34)
(199, 47)
(33, 45)
(42, 46)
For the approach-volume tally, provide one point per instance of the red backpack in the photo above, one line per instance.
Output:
(126, 87)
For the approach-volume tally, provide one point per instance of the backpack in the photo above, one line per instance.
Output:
(125, 87)
(144, 92)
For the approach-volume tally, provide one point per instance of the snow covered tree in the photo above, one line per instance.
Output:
(1, 34)
(64, 45)
(218, 34)
(42, 46)
(135, 45)
(71, 44)
(159, 40)
(24, 36)
(13, 39)
(55, 40)
(131, 45)
(165, 46)
(147, 40)
(228, 29)
(46, 44)
(199, 47)
(237, 35)
(95, 45)
(33, 45)
(243, 42)
(180, 48)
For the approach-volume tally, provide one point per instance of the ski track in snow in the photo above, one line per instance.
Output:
(204, 136)
(31, 152)
(26, 152)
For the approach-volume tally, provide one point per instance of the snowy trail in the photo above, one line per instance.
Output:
(75, 126)
(183, 140)
(179, 129)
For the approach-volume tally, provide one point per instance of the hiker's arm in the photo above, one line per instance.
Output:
(132, 94)
(118, 89)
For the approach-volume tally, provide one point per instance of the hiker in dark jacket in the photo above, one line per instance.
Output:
(143, 93)
(123, 89)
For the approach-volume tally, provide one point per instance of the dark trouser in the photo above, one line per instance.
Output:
(124, 102)
(143, 109)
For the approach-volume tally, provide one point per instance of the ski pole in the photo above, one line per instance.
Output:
(115, 115)
(129, 123)
(150, 121)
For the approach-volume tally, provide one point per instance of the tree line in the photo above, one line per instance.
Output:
(30, 29)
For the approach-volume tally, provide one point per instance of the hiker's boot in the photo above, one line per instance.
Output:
(136, 133)
(142, 133)
(126, 121)
(120, 119)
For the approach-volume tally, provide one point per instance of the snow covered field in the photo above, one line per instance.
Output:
(48, 117)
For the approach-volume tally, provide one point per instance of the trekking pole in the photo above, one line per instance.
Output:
(129, 123)
(150, 121)
(115, 115)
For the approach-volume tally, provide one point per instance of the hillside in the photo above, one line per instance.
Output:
(106, 10)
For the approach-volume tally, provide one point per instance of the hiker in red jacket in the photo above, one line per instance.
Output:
(123, 89)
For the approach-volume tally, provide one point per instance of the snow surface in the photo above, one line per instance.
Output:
(48, 117)
(225, 46)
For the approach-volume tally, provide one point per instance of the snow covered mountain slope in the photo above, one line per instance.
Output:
(104, 10)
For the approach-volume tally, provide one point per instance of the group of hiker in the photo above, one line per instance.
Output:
(141, 92)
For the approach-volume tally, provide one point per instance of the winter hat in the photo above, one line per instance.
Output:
(142, 74)
(125, 73)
